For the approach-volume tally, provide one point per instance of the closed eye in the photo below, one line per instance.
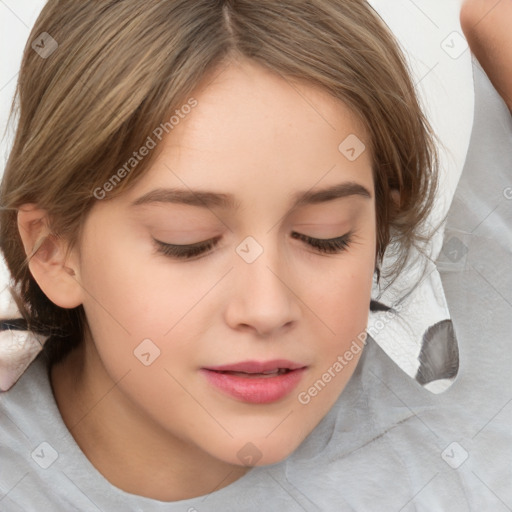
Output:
(328, 246)
(325, 246)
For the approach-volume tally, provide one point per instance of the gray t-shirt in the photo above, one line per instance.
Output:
(387, 444)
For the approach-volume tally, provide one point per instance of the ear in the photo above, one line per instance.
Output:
(57, 278)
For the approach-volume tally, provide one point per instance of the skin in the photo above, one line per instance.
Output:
(162, 431)
(486, 25)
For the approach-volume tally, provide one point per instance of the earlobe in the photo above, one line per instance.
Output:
(56, 276)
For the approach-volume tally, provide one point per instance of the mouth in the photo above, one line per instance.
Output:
(249, 375)
(256, 382)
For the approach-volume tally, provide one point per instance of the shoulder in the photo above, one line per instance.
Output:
(24, 411)
(27, 422)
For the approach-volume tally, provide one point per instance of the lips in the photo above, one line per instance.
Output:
(255, 381)
(257, 367)
(265, 374)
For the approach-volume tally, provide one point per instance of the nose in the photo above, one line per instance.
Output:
(262, 298)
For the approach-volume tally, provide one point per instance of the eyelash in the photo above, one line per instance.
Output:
(329, 246)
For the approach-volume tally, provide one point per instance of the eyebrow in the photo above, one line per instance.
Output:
(208, 199)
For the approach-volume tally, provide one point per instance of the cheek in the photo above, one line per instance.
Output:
(124, 285)
(340, 296)
(134, 295)
(344, 310)
(121, 302)
(341, 302)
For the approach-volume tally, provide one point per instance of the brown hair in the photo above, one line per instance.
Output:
(122, 67)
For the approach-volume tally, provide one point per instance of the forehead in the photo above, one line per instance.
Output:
(245, 98)
(253, 129)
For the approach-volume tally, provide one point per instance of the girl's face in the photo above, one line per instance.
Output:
(252, 172)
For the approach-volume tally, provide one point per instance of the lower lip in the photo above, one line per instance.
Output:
(255, 390)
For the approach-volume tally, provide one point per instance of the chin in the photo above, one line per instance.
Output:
(262, 451)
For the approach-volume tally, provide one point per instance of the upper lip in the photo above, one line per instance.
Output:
(257, 366)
